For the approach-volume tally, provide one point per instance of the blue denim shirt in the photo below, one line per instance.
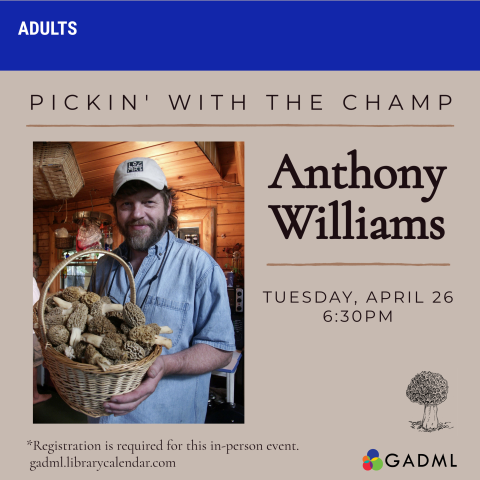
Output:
(190, 296)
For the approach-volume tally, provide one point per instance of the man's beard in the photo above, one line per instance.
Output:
(138, 240)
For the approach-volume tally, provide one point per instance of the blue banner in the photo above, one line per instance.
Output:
(240, 36)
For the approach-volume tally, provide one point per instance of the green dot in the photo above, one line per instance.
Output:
(377, 464)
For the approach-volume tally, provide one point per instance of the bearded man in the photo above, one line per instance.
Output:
(178, 285)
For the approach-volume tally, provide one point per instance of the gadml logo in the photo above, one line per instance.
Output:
(372, 460)
(421, 460)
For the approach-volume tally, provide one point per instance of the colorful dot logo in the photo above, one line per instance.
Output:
(372, 461)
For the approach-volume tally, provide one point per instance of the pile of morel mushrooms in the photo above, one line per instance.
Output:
(91, 329)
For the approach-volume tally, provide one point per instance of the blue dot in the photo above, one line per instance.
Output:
(373, 453)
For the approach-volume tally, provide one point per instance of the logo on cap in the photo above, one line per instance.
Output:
(133, 167)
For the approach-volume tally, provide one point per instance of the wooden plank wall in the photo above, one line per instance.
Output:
(41, 228)
(228, 200)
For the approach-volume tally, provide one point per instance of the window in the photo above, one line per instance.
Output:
(79, 272)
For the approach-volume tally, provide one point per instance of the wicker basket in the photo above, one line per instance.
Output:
(56, 174)
(86, 387)
(64, 242)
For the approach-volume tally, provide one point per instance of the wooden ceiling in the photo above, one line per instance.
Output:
(184, 163)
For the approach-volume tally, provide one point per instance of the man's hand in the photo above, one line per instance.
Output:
(123, 404)
(200, 358)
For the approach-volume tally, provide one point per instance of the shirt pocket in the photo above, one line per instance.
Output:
(168, 313)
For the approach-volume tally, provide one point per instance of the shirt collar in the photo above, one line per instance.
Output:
(155, 250)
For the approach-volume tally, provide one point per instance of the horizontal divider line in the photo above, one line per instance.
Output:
(340, 264)
(231, 125)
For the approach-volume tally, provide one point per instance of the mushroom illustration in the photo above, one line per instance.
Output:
(76, 323)
(94, 357)
(144, 335)
(133, 315)
(100, 326)
(57, 334)
(107, 346)
(90, 298)
(428, 389)
(134, 350)
(101, 308)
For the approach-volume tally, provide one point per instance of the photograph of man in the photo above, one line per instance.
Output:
(178, 285)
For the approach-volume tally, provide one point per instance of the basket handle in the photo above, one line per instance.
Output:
(61, 266)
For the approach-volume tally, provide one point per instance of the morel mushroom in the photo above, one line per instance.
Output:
(71, 294)
(90, 298)
(76, 323)
(117, 314)
(61, 348)
(62, 303)
(144, 335)
(157, 329)
(105, 299)
(100, 308)
(120, 362)
(50, 304)
(54, 318)
(107, 346)
(125, 329)
(94, 357)
(134, 350)
(133, 315)
(79, 349)
(119, 338)
(66, 350)
(57, 334)
(148, 350)
(60, 311)
(100, 326)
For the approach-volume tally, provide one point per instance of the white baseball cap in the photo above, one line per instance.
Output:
(141, 168)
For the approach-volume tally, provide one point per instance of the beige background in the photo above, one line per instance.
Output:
(335, 390)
